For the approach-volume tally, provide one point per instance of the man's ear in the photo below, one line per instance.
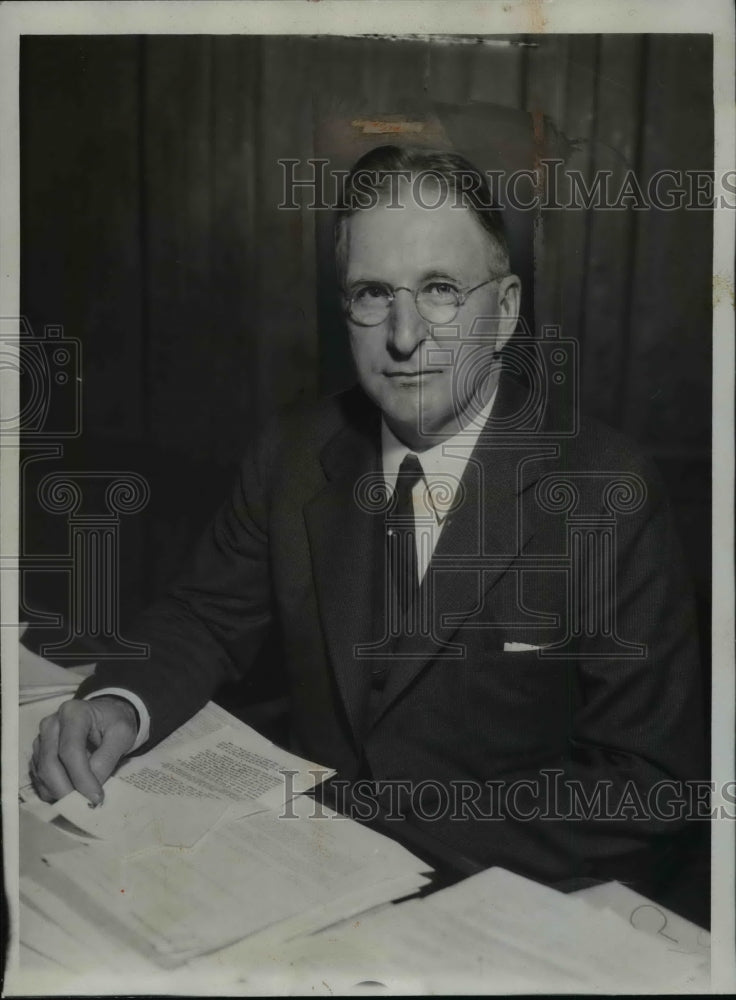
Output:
(509, 303)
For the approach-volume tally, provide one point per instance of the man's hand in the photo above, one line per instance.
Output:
(79, 746)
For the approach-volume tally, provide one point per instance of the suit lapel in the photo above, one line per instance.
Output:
(486, 523)
(344, 538)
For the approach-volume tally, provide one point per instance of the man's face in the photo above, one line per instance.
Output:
(427, 380)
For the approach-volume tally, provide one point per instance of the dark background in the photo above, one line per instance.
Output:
(149, 186)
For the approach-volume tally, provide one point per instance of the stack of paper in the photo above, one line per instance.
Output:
(203, 841)
(39, 679)
(302, 872)
(678, 935)
(53, 934)
(495, 932)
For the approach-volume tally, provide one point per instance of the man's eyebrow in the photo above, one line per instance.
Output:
(440, 272)
(363, 279)
(433, 272)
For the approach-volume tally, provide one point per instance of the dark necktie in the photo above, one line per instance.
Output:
(402, 561)
(402, 541)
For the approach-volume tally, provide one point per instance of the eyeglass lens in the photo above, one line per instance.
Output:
(436, 301)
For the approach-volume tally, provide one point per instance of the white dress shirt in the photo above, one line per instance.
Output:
(433, 496)
(443, 467)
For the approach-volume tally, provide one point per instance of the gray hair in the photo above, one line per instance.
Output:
(371, 181)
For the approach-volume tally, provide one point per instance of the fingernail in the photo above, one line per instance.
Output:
(96, 800)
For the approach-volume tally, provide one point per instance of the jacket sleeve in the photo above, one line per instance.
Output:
(222, 601)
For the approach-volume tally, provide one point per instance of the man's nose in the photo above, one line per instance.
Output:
(407, 329)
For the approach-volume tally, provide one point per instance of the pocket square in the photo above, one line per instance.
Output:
(519, 647)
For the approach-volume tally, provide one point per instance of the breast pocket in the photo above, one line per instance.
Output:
(520, 698)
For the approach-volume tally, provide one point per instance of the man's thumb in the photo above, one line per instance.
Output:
(116, 742)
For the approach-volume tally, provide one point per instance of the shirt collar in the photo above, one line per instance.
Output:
(443, 464)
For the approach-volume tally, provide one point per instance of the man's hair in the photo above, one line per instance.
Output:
(375, 177)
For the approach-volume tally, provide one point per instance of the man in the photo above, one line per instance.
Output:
(476, 606)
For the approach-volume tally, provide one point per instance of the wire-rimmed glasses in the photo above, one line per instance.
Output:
(368, 303)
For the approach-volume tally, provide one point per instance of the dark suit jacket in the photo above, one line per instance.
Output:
(617, 709)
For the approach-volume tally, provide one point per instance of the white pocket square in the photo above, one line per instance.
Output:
(519, 647)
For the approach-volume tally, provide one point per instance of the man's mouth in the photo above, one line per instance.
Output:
(413, 376)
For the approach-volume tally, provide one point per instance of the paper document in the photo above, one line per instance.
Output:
(48, 921)
(200, 843)
(207, 720)
(246, 875)
(673, 931)
(493, 929)
(176, 794)
(213, 766)
(39, 679)
(233, 764)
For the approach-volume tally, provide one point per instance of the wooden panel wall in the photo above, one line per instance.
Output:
(150, 230)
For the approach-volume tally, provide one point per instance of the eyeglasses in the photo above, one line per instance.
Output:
(368, 303)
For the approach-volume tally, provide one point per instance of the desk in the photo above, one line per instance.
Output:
(90, 957)
(240, 969)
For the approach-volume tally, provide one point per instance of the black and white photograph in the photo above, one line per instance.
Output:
(366, 453)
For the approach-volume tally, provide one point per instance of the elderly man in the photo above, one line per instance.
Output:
(476, 607)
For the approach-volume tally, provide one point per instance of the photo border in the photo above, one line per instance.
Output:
(414, 17)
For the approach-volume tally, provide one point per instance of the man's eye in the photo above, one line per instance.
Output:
(440, 289)
(366, 293)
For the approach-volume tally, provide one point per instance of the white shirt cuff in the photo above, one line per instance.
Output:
(144, 728)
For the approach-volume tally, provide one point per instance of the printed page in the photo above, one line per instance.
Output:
(176, 794)
(234, 763)
(157, 799)
(208, 720)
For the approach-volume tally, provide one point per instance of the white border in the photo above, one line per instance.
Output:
(355, 17)
(723, 859)
(417, 17)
